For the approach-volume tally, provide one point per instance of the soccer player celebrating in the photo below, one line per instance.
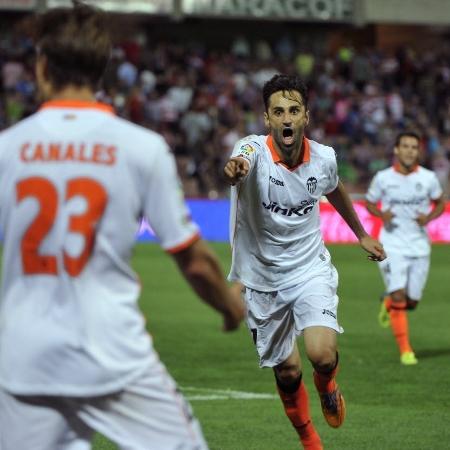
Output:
(75, 180)
(406, 192)
(279, 257)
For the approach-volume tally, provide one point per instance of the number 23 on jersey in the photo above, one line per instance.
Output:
(45, 192)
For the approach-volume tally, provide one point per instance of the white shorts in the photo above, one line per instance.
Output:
(405, 272)
(277, 318)
(149, 414)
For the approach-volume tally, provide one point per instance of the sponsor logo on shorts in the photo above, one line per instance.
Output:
(275, 181)
(327, 311)
(304, 208)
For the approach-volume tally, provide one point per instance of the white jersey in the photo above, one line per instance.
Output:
(275, 224)
(406, 196)
(74, 182)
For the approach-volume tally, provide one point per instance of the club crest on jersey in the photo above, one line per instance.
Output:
(419, 186)
(311, 184)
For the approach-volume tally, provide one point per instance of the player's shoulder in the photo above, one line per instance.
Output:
(11, 135)
(321, 151)
(424, 172)
(251, 143)
(137, 134)
(428, 177)
(322, 154)
(140, 143)
(18, 129)
(249, 147)
(385, 173)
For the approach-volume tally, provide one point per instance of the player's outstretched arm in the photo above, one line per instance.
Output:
(343, 205)
(235, 170)
(201, 268)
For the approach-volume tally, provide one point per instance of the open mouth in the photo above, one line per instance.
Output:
(288, 136)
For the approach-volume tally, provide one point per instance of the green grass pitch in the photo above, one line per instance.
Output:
(389, 406)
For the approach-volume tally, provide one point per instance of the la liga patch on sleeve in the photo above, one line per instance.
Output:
(246, 150)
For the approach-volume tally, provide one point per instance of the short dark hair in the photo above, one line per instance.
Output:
(76, 43)
(403, 134)
(287, 83)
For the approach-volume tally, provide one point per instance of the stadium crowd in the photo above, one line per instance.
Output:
(203, 100)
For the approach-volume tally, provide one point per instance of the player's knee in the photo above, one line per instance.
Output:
(398, 297)
(323, 360)
(288, 381)
(288, 375)
(398, 301)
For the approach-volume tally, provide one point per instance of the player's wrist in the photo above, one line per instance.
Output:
(362, 236)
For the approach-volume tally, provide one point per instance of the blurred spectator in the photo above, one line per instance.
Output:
(12, 71)
(361, 70)
(441, 166)
(241, 47)
(127, 74)
(181, 94)
(284, 48)
(304, 63)
(14, 107)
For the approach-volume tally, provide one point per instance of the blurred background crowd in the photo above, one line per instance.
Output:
(203, 98)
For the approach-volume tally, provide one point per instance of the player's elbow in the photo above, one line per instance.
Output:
(197, 262)
(198, 269)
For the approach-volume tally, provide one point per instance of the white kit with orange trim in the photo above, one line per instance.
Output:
(275, 225)
(406, 196)
(74, 182)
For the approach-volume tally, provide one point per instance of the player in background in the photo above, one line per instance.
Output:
(407, 192)
(75, 180)
(279, 257)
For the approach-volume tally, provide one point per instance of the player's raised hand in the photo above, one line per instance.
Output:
(236, 169)
(373, 247)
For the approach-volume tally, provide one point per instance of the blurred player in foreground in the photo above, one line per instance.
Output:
(279, 255)
(406, 192)
(75, 180)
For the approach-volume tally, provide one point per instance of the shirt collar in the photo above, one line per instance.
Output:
(276, 157)
(77, 104)
(396, 167)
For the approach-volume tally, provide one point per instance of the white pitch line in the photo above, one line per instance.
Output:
(208, 394)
